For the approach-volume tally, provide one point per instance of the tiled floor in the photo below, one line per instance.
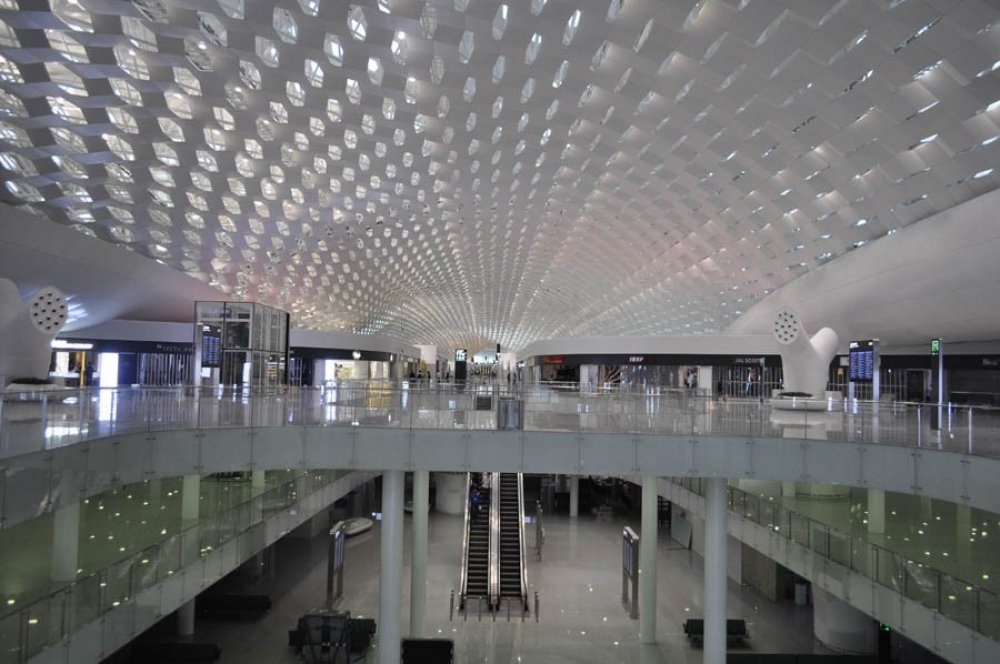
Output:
(578, 582)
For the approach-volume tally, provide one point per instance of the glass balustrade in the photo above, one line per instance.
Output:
(34, 421)
(965, 602)
(27, 630)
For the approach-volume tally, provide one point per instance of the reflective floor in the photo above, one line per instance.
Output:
(579, 586)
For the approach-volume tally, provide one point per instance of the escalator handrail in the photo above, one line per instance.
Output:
(520, 531)
(465, 543)
(494, 579)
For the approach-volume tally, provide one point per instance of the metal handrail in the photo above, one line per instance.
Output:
(494, 579)
(140, 564)
(520, 527)
(871, 570)
(463, 590)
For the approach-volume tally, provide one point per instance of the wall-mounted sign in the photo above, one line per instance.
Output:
(935, 346)
(356, 354)
(461, 354)
(635, 359)
(553, 359)
(862, 361)
(749, 360)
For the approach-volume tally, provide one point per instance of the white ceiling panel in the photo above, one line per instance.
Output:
(450, 171)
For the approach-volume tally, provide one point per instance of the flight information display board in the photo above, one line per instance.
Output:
(211, 350)
(862, 361)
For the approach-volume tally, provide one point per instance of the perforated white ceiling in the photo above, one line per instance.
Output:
(456, 170)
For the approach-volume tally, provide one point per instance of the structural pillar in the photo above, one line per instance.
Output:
(876, 511)
(190, 498)
(574, 496)
(715, 571)
(66, 542)
(418, 563)
(258, 482)
(391, 567)
(185, 619)
(647, 561)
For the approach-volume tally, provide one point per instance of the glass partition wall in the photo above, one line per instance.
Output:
(240, 345)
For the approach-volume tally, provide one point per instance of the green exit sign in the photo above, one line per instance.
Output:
(935, 346)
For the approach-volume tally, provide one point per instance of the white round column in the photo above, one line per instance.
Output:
(452, 492)
(418, 562)
(715, 571)
(185, 619)
(391, 567)
(647, 561)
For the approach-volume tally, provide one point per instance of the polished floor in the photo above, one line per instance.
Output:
(578, 581)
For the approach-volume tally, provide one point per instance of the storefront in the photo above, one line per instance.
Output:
(115, 363)
(322, 365)
(732, 375)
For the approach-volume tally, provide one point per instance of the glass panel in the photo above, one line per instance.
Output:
(117, 584)
(920, 583)
(170, 556)
(45, 623)
(989, 614)
(800, 529)
(861, 557)
(889, 568)
(10, 638)
(840, 548)
(958, 601)
(85, 601)
(819, 538)
(147, 567)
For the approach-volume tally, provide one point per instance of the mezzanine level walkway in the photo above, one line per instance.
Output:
(59, 447)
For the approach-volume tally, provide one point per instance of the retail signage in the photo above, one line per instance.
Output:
(553, 359)
(636, 359)
(862, 361)
(749, 360)
(461, 354)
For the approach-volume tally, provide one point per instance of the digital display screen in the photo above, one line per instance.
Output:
(861, 367)
(461, 355)
(211, 350)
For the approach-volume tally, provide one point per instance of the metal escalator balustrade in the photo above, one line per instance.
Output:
(476, 569)
(511, 554)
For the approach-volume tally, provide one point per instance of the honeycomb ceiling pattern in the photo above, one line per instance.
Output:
(453, 171)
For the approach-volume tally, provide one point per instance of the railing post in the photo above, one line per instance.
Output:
(45, 417)
(970, 428)
(920, 426)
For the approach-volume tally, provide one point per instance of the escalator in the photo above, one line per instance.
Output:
(476, 554)
(512, 576)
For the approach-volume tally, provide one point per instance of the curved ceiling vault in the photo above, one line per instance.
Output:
(454, 170)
